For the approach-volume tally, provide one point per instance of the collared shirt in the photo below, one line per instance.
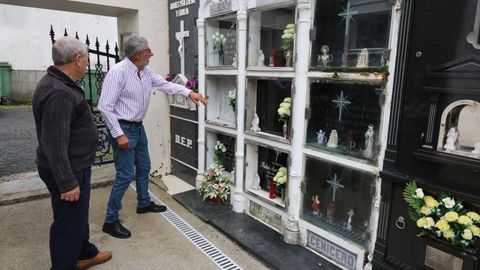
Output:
(125, 96)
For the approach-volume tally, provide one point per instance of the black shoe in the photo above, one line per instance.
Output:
(152, 207)
(116, 229)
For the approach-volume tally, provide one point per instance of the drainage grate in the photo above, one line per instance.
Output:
(210, 250)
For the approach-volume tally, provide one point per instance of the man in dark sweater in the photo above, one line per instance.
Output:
(67, 139)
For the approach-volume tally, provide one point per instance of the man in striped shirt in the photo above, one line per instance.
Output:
(123, 104)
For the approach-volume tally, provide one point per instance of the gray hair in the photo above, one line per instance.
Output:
(66, 48)
(134, 45)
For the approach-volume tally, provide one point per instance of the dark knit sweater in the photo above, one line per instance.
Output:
(66, 133)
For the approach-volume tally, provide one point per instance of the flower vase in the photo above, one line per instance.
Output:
(216, 199)
(271, 189)
(285, 130)
(221, 58)
(288, 58)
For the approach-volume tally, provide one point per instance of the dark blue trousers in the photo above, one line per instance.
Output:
(69, 232)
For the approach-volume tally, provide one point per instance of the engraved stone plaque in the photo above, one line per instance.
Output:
(440, 260)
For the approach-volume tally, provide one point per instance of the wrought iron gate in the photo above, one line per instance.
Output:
(92, 85)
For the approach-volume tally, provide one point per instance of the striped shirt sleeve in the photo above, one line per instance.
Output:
(111, 90)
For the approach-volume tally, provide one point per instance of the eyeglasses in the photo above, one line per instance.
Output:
(146, 50)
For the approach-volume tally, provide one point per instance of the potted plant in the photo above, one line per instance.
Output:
(288, 37)
(215, 185)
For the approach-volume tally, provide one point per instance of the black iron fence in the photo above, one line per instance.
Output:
(92, 86)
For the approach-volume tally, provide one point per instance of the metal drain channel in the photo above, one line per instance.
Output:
(202, 243)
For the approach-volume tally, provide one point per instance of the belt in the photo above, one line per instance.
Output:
(125, 122)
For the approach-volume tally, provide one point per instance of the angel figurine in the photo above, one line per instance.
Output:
(452, 137)
(255, 124)
(315, 205)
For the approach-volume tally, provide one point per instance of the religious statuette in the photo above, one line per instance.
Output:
(330, 212)
(333, 139)
(255, 124)
(369, 137)
(288, 58)
(321, 138)
(315, 205)
(476, 149)
(452, 137)
(324, 59)
(260, 59)
(362, 60)
(348, 223)
(256, 182)
(234, 60)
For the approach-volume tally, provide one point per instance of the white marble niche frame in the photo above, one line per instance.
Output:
(211, 28)
(211, 140)
(467, 113)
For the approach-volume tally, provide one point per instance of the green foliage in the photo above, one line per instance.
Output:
(412, 200)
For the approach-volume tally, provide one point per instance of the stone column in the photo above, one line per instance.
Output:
(291, 232)
(201, 109)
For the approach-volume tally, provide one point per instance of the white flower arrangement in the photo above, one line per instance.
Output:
(232, 99)
(215, 184)
(288, 36)
(218, 42)
(445, 218)
(284, 109)
(281, 177)
(219, 151)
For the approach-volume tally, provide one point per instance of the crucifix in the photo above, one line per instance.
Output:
(474, 36)
(335, 185)
(347, 15)
(180, 36)
(341, 103)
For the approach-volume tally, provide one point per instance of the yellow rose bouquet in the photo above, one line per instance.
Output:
(445, 218)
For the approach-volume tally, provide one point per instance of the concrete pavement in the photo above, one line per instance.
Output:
(155, 244)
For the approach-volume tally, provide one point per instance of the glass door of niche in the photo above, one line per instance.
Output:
(221, 149)
(269, 107)
(271, 36)
(345, 119)
(221, 42)
(351, 34)
(266, 174)
(221, 92)
(338, 199)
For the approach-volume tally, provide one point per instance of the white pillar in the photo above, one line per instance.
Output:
(237, 194)
(201, 109)
(292, 230)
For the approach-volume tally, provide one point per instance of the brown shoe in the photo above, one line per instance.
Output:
(102, 256)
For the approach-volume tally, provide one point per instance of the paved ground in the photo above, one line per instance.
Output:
(17, 140)
(155, 244)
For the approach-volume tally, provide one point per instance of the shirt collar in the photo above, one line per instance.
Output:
(130, 65)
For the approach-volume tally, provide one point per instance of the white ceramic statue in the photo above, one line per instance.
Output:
(362, 60)
(333, 139)
(255, 123)
(260, 59)
(256, 182)
(350, 215)
(476, 147)
(234, 60)
(321, 138)
(369, 138)
(452, 137)
(325, 58)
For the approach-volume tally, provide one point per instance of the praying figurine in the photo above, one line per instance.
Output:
(325, 58)
(348, 224)
(369, 137)
(234, 60)
(321, 139)
(333, 139)
(260, 59)
(315, 205)
(256, 182)
(255, 124)
(476, 147)
(330, 212)
(452, 137)
(362, 60)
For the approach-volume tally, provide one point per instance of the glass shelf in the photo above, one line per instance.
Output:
(338, 199)
(271, 37)
(351, 34)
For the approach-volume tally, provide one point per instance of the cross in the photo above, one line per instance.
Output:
(341, 103)
(474, 36)
(335, 184)
(347, 15)
(179, 36)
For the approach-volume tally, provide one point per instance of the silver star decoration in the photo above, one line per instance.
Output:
(341, 102)
(335, 184)
(347, 15)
